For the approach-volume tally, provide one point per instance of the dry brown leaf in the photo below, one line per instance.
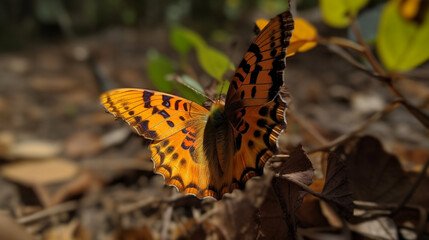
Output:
(11, 230)
(82, 144)
(70, 231)
(142, 232)
(34, 149)
(31, 173)
(336, 190)
(278, 212)
(375, 175)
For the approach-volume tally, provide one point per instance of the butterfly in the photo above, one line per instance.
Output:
(210, 152)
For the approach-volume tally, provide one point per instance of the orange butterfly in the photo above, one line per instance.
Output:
(208, 153)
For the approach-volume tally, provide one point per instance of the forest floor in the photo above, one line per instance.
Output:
(70, 171)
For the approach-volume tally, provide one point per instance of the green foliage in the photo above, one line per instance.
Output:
(401, 44)
(179, 40)
(214, 62)
(336, 13)
(190, 93)
(158, 68)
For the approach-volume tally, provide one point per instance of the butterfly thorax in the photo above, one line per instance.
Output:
(218, 150)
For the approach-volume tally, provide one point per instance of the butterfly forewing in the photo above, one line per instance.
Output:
(176, 125)
(260, 74)
(155, 115)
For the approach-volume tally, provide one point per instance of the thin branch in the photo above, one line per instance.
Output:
(412, 189)
(345, 137)
(57, 209)
(302, 121)
(367, 52)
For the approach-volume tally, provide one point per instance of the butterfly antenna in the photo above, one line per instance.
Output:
(180, 80)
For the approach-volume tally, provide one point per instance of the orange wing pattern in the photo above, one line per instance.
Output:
(211, 153)
(176, 125)
(253, 104)
(260, 74)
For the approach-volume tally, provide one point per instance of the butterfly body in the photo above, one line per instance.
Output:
(208, 153)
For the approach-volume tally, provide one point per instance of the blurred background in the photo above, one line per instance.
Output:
(58, 146)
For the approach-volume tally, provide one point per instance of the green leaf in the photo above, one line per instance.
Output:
(223, 87)
(158, 68)
(366, 21)
(214, 62)
(401, 44)
(336, 12)
(192, 83)
(179, 39)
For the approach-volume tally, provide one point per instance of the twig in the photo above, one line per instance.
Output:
(412, 189)
(166, 222)
(419, 115)
(57, 209)
(308, 127)
(343, 138)
(346, 56)
(366, 51)
(138, 205)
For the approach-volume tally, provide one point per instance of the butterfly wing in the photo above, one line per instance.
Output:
(253, 104)
(176, 126)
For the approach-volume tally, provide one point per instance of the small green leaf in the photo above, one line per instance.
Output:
(366, 20)
(214, 62)
(401, 44)
(223, 87)
(336, 12)
(179, 40)
(189, 93)
(192, 83)
(158, 68)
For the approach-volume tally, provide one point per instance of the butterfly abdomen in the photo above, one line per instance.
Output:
(218, 150)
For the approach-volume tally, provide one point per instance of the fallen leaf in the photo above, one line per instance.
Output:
(10, 229)
(34, 149)
(375, 175)
(32, 173)
(278, 212)
(82, 144)
(337, 190)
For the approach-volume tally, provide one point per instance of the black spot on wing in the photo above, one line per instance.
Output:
(254, 74)
(164, 114)
(263, 111)
(238, 142)
(253, 93)
(245, 66)
(131, 113)
(166, 101)
(185, 106)
(175, 156)
(176, 104)
(240, 77)
(255, 50)
(146, 98)
(170, 123)
(184, 146)
(155, 110)
(182, 118)
(170, 149)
